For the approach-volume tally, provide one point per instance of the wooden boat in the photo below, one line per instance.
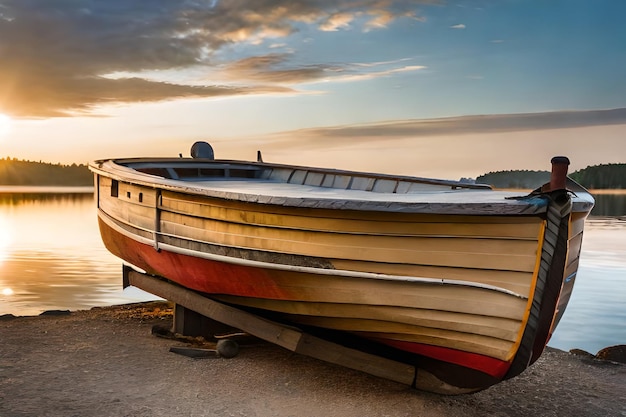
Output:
(464, 283)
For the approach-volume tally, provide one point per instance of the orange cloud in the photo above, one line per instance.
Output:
(55, 56)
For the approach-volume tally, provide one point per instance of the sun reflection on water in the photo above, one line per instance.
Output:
(6, 238)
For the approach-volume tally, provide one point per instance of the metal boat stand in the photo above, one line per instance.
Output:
(199, 314)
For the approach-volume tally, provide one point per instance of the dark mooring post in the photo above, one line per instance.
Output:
(189, 323)
(558, 177)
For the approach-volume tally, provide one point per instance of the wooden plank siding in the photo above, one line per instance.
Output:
(451, 244)
(493, 250)
(459, 241)
(495, 317)
(497, 327)
(491, 336)
(508, 254)
(349, 221)
(517, 282)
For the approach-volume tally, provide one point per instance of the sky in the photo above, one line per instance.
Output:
(443, 89)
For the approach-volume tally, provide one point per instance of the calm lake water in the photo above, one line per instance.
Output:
(52, 258)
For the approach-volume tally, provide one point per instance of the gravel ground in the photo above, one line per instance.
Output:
(106, 362)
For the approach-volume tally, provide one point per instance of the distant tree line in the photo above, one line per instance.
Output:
(18, 172)
(515, 179)
(602, 176)
(606, 176)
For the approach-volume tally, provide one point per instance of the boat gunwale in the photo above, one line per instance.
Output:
(505, 202)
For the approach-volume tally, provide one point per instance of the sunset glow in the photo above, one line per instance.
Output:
(312, 81)
(5, 125)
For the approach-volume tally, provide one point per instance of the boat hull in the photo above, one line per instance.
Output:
(468, 299)
(259, 289)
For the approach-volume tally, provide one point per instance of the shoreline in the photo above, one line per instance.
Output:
(166, 311)
(106, 362)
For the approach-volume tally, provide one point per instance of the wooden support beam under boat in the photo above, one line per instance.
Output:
(288, 337)
(190, 323)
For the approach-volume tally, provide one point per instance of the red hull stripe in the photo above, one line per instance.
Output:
(192, 272)
(486, 364)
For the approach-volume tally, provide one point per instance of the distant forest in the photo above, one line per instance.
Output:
(515, 179)
(602, 176)
(17, 172)
(607, 176)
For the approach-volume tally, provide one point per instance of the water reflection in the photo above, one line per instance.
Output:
(52, 255)
(609, 203)
(596, 314)
(6, 237)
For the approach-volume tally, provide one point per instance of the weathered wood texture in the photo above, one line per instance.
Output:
(499, 251)
(474, 319)
(404, 245)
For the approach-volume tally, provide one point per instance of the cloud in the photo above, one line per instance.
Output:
(336, 22)
(450, 147)
(80, 95)
(273, 69)
(347, 77)
(55, 55)
(276, 69)
(459, 26)
(465, 125)
(380, 19)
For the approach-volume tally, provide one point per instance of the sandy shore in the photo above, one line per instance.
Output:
(105, 362)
